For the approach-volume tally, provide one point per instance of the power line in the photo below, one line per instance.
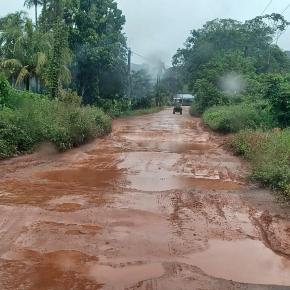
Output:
(286, 8)
(140, 55)
(136, 53)
(282, 12)
(267, 6)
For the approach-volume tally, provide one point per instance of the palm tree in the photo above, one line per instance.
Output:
(26, 56)
(35, 3)
(27, 53)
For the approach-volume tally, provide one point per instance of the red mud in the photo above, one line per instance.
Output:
(158, 204)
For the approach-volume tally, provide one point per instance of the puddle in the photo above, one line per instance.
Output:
(172, 146)
(151, 182)
(246, 261)
(65, 270)
(83, 176)
(68, 269)
(125, 276)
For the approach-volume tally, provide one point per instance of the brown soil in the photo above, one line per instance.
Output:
(158, 204)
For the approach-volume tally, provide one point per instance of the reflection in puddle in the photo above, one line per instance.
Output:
(246, 261)
(74, 270)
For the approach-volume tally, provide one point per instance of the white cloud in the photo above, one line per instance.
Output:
(162, 26)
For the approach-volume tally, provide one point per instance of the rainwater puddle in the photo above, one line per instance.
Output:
(55, 269)
(246, 261)
(83, 176)
(125, 276)
(172, 146)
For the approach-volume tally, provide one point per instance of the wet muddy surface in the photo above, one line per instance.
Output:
(158, 204)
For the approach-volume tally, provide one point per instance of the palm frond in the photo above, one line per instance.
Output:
(15, 63)
(65, 74)
(41, 60)
(22, 75)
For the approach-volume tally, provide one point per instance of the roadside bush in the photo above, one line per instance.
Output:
(27, 121)
(233, 118)
(12, 98)
(143, 103)
(269, 154)
(193, 110)
(115, 107)
(70, 97)
(207, 95)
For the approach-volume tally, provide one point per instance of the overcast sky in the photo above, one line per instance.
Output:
(159, 27)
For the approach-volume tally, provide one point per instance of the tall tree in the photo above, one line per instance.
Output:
(225, 48)
(53, 23)
(35, 3)
(141, 84)
(24, 50)
(98, 44)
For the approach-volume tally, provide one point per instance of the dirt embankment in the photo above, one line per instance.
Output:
(158, 204)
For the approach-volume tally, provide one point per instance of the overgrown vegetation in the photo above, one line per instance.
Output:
(228, 62)
(73, 44)
(241, 82)
(72, 56)
(27, 119)
(269, 154)
(233, 118)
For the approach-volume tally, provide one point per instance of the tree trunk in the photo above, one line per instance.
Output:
(36, 84)
(44, 5)
(43, 15)
(36, 16)
(27, 83)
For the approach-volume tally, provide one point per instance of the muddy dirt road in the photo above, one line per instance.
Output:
(158, 204)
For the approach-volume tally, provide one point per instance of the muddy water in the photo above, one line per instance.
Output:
(158, 204)
(243, 261)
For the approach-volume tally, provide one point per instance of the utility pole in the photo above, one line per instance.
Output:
(129, 74)
(158, 89)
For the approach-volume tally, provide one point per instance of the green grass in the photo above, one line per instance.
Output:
(233, 118)
(269, 154)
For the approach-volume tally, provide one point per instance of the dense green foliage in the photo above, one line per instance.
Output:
(231, 119)
(73, 44)
(99, 49)
(269, 154)
(277, 92)
(27, 119)
(73, 54)
(223, 61)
